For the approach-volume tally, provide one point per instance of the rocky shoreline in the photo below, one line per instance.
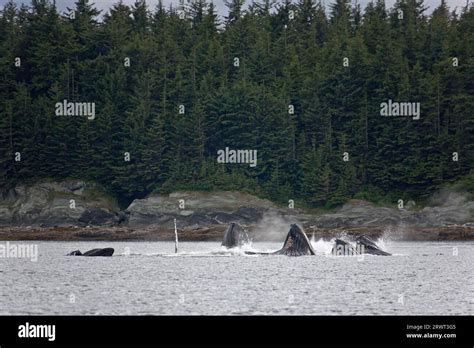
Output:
(215, 233)
(78, 210)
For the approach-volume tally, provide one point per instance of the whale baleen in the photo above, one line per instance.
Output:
(368, 245)
(296, 243)
(93, 252)
(342, 247)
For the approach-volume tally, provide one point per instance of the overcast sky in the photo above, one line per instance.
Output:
(106, 4)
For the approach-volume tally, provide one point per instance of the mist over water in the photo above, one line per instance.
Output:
(272, 226)
(204, 278)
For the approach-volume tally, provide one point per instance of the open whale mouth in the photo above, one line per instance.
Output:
(296, 243)
(369, 247)
(235, 236)
(341, 247)
(363, 245)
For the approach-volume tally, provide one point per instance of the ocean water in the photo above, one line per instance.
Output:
(147, 278)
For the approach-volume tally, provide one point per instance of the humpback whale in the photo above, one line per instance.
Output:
(93, 252)
(342, 247)
(235, 236)
(363, 242)
(363, 245)
(296, 243)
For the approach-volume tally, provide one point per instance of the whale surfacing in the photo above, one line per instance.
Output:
(368, 245)
(235, 236)
(296, 243)
(342, 247)
(93, 252)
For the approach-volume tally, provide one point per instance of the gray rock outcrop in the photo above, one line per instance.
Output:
(50, 204)
(71, 202)
(457, 209)
(198, 208)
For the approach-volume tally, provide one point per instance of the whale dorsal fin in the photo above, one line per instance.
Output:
(234, 236)
(296, 243)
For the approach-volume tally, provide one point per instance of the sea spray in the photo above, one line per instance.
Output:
(322, 246)
(272, 227)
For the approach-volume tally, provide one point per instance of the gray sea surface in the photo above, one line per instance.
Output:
(147, 278)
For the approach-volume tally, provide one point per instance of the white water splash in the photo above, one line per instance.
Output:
(322, 246)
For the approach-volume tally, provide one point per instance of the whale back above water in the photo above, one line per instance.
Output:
(296, 243)
(93, 252)
(235, 236)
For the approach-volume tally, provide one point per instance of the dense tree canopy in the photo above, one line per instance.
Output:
(300, 84)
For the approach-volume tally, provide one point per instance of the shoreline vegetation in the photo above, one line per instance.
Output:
(151, 96)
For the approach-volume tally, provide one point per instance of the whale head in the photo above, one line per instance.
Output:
(341, 247)
(368, 245)
(75, 253)
(296, 243)
(235, 236)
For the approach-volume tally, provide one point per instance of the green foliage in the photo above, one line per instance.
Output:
(283, 62)
(465, 183)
